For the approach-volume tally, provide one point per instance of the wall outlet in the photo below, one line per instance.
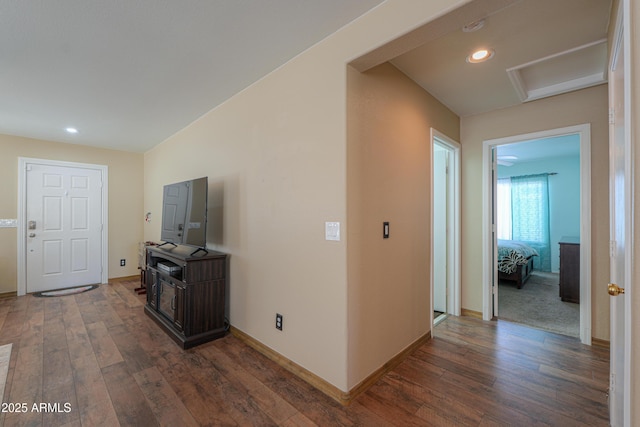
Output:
(278, 321)
(123, 262)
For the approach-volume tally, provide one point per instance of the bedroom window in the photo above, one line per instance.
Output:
(523, 214)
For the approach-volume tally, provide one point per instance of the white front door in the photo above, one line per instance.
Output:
(63, 226)
(619, 404)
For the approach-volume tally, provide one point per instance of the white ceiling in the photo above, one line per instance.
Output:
(540, 149)
(129, 74)
(538, 52)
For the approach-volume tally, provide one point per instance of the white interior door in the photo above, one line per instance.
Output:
(440, 226)
(63, 227)
(445, 223)
(494, 231)
(619, 404)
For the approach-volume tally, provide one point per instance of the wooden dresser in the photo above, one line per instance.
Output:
(570, 269)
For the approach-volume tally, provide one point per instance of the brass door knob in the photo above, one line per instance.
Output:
(614, 290)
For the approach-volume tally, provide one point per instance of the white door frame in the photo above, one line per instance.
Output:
(488, 265)
(453, 213)
(22, 212)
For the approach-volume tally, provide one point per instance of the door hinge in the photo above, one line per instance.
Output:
(612, 115)
(612, 382)
(612, 248)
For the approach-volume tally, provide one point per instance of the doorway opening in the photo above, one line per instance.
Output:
(538, 232)
(542, 259)
(445, 226)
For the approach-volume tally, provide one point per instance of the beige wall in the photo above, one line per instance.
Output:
(585, 106)
(125, 200)
(275, 155)
(388, 179)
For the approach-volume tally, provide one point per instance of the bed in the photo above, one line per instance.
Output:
(515, 261)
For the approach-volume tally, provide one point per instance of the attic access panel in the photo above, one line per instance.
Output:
(574, 69)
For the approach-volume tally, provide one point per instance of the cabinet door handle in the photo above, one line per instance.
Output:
(173, 303)
(153, 289)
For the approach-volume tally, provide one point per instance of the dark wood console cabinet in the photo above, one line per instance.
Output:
(570, 269)
(186, 293)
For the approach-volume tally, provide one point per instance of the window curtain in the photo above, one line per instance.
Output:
(504, 209)
(530, 216)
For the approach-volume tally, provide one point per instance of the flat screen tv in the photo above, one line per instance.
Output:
(184, 213)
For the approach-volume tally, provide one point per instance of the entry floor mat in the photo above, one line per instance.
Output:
(66, 291)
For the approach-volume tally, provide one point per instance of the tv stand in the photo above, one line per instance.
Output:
(186, 293)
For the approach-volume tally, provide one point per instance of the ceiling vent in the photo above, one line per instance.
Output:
(574, 69)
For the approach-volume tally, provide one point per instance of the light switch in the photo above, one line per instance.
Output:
(332, 230)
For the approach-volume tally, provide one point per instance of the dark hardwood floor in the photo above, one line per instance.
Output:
(99, 353)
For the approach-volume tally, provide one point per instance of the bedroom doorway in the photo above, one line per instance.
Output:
(550, 211)
(445, 224)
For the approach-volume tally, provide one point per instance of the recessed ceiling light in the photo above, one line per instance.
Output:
(71, 130)
(480, 55)
(473, 26)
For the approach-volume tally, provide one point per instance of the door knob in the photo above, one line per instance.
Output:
(32, 234)
(614, 290)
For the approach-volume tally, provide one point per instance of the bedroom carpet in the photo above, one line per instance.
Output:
(538, 305)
